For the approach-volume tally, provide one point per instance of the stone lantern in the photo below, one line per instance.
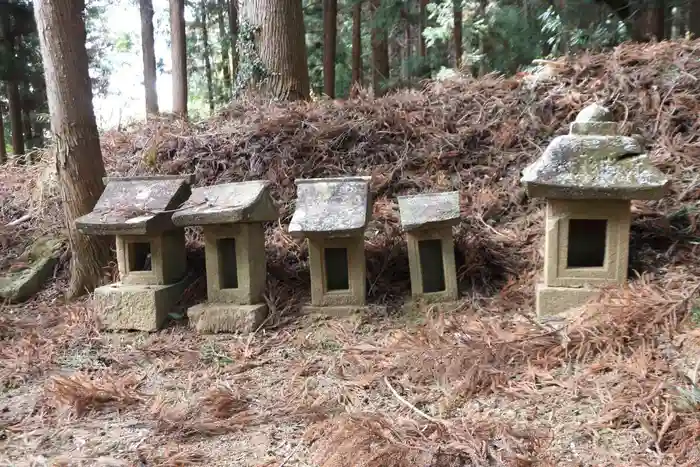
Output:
(332, 213)
(232, 217)
(427, 220)
(151, 255)
(588, 179)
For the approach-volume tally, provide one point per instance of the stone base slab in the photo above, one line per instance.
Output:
(422, 306)
(212, 318)
(136, 307)
(341, 311)
(555, 300)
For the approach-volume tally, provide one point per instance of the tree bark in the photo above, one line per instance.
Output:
(482, 41)
(79, 163)
(3, 149)
(694, 18)
(408, 41)
(357, 44)
(178, 46)
(457, 31)
(330, 33)
(281, 44)
(16, 124)
(225, 39)
(380, 51)
(149, 56)
(659, 20)
(27, 119)
(422, 22)
(207, 57)
(233, 29)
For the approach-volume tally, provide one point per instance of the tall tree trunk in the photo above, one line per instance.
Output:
(16, 127)
(483, 69)
(357, 44)
(233, 30)
(676, 23)
(3, 148)
(79, 163)
(422, 22)
(207, 57)
(27, 122)
(457, 31)
(178, 47)
(659, 19)
(694, 18)
(149, 56)
(281, 43)
(380, 51)
(330, 33)
(408, 40)
(564, 34)
(225, 39)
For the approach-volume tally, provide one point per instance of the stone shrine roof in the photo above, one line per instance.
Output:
(429, 209)
(594, 162)
(135, 205)
(228, 203)
(331, 206)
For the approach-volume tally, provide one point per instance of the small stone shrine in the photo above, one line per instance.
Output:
(333, 214)
(427, 220)
(232, 217)
(151, 253)
(588, 179)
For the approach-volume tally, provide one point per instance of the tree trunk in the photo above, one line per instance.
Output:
(330, 32)
(357, 44)
(694, 18)
(457, 31)
(15, 104)
(27, 123)
(207, 57)
(483, 69)
(422, 22)
(79, 163)
(659, 20)
(280, 42)
(3, 148)
(380, 51)
(676, 23)
(149, 56)
(225, 39)
(407, 52)
(564, 34)
(233, 30)
(178, 47)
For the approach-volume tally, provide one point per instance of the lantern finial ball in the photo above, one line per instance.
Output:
(594, 113)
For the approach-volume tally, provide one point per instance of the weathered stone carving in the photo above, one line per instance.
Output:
(333, 214)
(151, 255)
(588, 178)
(232, 217)
(427, 220)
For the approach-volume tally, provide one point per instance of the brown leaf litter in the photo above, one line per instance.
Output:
(484, 385)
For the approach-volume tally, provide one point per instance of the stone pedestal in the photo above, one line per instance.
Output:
(128, 307)
(226, 317)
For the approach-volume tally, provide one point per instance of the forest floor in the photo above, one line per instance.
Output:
(614, 384)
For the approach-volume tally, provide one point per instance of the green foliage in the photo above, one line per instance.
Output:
(250, 67)
(98, 44)
(594, 37)
(124, 43)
